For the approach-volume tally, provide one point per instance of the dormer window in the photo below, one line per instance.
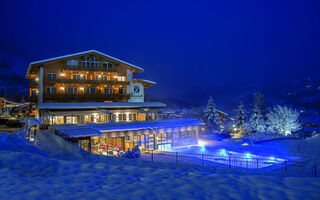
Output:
(72, 62)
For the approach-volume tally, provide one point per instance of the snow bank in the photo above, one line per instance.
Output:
(27, 174)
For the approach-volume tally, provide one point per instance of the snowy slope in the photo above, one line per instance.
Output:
(40, 174)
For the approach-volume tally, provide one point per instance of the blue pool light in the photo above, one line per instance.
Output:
(223, 152)
(248, 157)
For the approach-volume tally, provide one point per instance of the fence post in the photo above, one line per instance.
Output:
(315, 169)
(176, 157)
(202, 160)
(286, 167)
(229, 162)
(152, 156)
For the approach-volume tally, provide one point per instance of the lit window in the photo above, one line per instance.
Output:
(122, 90)
(121, 78)
(132, 117)
(51, 75)
(72, 62)
(108, 90)
(51, 90)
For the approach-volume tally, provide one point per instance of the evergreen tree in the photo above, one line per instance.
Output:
(240, 120)
(259, 105)
(211, 116)
(257, 122)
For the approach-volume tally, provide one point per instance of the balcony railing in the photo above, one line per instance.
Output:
(90, 68)
(62, 97)
(79, 81)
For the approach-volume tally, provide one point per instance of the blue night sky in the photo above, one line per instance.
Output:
(185, 46)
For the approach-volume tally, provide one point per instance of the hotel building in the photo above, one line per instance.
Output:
(91, 98)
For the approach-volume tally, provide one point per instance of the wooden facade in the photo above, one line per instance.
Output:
(108, 77)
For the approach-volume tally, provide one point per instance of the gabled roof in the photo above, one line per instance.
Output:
(80, 53)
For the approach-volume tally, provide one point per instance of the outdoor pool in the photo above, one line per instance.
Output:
(224, 156)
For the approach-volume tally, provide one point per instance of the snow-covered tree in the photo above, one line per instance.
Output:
(259, 104)
(240, 120)
(211, 116)
(284, 120)
(257, 122)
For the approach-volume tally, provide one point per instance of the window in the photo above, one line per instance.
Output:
(76, 76)
(72, 62)
(122, 90)
(122, 117)
(71, 119)
(108, 90)
(90, 61)
(86, 61)
(121, 78)
(94, 62)
(51, 90)
(101, 77)
(72, 90)
(51, 75)
(132, 117)
(91, 90)
(107, 65)
(79, 77)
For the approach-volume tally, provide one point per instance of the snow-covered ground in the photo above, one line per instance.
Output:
(56, 169)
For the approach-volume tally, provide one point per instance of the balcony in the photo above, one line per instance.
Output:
(77, 81)
(90, 68)
(64, 97)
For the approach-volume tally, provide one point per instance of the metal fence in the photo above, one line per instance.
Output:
(238, 165)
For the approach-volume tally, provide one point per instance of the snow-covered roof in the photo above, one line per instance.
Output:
(83, 52)
(97, 105)
(81, 132)
(147, 81)
(125, 126)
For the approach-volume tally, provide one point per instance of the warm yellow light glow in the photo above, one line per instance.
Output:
(81, 75)
(62, 74)
(37, 79)
(81, 88)
(62, 88)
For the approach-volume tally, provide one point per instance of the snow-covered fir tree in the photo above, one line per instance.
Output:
(257, 122)
(211, 116)
(240, 120)
(259, 104)
(283, 120)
